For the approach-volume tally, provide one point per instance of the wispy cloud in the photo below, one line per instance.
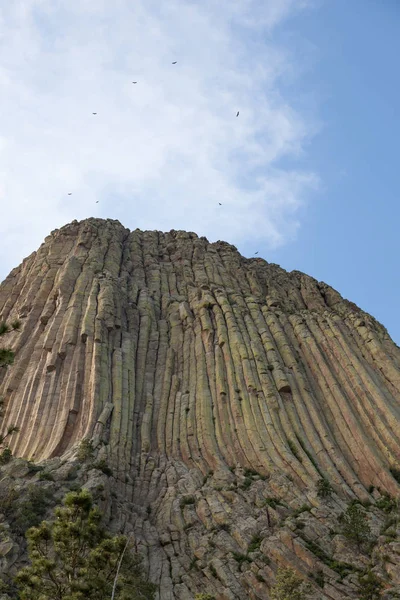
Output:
(159, 154)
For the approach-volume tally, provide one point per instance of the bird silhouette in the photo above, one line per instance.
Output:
(134, 81)
(237, 114)
(94, 113)
(220, 203)
(174, 63)
(69, 193)
(97, 201)
(255, 252)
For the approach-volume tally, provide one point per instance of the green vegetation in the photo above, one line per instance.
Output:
(294, 450)
(46, 476)
(30, 509)
(24, 511)
(355, 525)
(396, 474)
(387, 503)
(186, 500)
(73, 558)
(204, 597)
(6, 354)
(341, 568)
(303, 508)
(103, 467)
(255, 543)
(246, 483)
(370, 586)
(324, 488)
(289, 586)
(273, 502)
(85, 451)
(5, 456)
(6, 359)
(253, 546)
(213, 571)
(5, 452)
(240, 558)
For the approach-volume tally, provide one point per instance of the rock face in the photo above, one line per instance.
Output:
(219, 389)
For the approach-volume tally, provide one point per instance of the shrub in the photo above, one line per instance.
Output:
(324, 488)
(85, 451)
(46, 476)
(204, 597)
(8, 497)
(386, 503)
(240, 558)
(289, 586)
(186, 500)
(370, 586)
(255, 543)
(102, 466)
(246, 483)
(303, 508)
(5, 456)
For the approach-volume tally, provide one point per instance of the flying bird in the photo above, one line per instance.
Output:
(174, 63)
(97, 201)
(237, 114)
(134, 81)
(220, 203)
(255, 252)
(69, 193)
(94, 113)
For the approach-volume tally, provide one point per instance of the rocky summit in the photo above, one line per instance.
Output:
(222, 393)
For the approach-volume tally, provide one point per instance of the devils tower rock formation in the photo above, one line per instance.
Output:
(219, 390)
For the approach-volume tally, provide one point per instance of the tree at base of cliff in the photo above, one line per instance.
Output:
(73, 558)
(289, 586)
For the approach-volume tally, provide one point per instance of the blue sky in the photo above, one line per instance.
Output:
(306, 174)
(349, 234)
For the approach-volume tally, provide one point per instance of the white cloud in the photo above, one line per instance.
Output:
(162, 153)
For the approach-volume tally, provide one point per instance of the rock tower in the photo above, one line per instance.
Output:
(219, 389)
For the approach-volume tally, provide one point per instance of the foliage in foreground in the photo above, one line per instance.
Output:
(289, 586)
(73, 558)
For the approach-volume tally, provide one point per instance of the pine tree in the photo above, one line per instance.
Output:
(355, 525)
(73, 558)
(289, 586)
